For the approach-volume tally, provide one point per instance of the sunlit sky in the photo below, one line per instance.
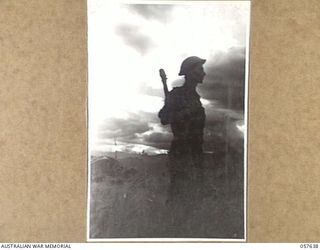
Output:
(128, 43)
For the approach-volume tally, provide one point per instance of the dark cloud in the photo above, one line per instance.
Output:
(160, 12)
(133, 37)
(221, 123)
(156, 139)
(123, 129)
(127, 129)
(139, 128)
(225, 79)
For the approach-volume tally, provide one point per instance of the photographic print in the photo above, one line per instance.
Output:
(167, 120)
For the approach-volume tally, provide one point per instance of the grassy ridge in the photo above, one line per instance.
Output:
(130, 199)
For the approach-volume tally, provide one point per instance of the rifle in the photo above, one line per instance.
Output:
(163, 113)
(164, 82)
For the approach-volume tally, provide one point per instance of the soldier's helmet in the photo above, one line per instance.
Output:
(189, 63)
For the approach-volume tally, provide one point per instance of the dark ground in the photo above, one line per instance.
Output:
(130, 199)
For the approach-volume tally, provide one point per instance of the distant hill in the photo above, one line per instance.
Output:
(120, 155)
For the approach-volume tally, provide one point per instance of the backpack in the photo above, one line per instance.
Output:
(164, 115)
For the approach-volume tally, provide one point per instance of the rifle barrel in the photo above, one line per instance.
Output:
(164, 81)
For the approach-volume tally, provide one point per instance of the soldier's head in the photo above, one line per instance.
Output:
(192, 69)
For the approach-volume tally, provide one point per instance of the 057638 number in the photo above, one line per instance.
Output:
(309, 245)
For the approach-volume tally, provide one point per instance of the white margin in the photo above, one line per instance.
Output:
(246, 102)
(165, 240)
(88, 131)
(174, 1)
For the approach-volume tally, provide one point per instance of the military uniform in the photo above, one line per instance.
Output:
(184, 112)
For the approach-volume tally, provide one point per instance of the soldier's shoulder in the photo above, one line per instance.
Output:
(176, 91)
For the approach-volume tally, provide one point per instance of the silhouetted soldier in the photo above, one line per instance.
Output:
(184, 112)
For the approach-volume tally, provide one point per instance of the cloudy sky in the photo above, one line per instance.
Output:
(129, 43)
